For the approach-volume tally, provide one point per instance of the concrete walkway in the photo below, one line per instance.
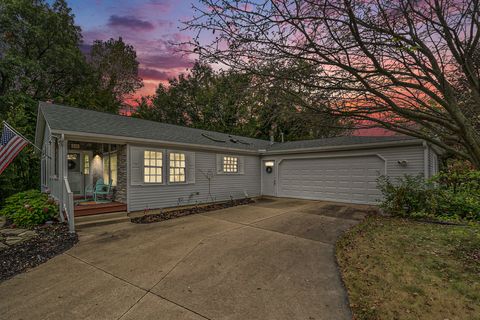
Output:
(270, 260)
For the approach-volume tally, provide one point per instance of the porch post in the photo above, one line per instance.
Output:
(67, 195)
(60, 156)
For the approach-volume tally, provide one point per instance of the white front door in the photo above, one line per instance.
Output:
(79, 170)
(75, 176)
(269, 181)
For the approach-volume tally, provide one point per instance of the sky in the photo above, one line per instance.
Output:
(151, 26)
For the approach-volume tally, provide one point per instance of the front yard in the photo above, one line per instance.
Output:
(401, 269)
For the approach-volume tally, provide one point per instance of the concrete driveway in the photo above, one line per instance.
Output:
(270, 260)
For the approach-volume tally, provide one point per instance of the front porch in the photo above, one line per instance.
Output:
(86, 177)
(93, 170)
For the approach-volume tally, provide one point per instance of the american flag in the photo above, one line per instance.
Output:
(10, 145)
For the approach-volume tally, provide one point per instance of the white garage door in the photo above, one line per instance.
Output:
(347, 179)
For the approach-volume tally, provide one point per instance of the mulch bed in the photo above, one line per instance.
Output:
(50, 241)
(157, 217)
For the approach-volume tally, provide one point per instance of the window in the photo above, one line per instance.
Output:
(86, 164)
(230, 164)
(177, 167)
(110, 168)
(153, 166)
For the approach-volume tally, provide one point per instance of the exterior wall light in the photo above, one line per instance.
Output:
(403, 163)
(269, 164)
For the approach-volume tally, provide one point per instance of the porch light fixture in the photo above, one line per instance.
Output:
(269, 164)
(403, 163)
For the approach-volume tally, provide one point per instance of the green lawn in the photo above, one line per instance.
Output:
(402, 269)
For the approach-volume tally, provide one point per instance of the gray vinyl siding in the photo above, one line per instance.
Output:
(223, 186)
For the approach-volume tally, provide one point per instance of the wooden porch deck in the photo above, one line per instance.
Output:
(91, 208)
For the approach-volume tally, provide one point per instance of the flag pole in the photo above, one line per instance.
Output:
(21, 135)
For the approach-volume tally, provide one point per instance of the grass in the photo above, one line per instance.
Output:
(402, 269)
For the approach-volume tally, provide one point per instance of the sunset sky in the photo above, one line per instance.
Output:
(149, 25)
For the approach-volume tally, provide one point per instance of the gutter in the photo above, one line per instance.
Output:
(95, 137)
(396, 143)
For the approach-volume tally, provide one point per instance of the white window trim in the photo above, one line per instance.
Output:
(169, 152)
(163, 151)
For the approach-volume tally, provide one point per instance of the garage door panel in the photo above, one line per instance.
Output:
(343, 179)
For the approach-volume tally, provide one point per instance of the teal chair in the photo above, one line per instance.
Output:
(100, 190)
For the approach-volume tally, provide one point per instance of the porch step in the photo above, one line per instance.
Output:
(93, 209)
(101, 219)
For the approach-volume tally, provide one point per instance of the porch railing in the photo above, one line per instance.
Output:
(67, 204)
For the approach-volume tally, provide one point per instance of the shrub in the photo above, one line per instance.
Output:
(29, 208)
(405, 196)
(458, 205)
(450, 195)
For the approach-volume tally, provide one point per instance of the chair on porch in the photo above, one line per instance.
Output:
(100, 190)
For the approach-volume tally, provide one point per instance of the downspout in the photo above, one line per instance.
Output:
(425, 160)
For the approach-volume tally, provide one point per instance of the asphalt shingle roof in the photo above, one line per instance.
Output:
(63, 118)
(82, 120)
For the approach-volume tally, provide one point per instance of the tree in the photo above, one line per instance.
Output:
(40, 60)
(235, 103)
(110, 77)
(39, 50)
(396, 64)
(116, 66)
(202, 99)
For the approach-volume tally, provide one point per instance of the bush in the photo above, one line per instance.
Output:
(404, 196)
(29, 208)
(450, 195)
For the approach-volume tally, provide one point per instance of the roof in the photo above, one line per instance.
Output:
(336, 141)
(63, 118)
(77, 121)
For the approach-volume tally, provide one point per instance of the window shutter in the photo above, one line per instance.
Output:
(136, 166)
(219, 163)
(241, 165)
(190, 166)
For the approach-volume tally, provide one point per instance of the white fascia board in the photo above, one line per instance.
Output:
(397, 143)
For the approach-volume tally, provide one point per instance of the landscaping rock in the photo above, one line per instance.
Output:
(12, 232)
(19, 253)
(2, 221)
(28, 234)
(14, 240)
(157, 217)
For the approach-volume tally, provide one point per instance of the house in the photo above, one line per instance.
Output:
(157, 165)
